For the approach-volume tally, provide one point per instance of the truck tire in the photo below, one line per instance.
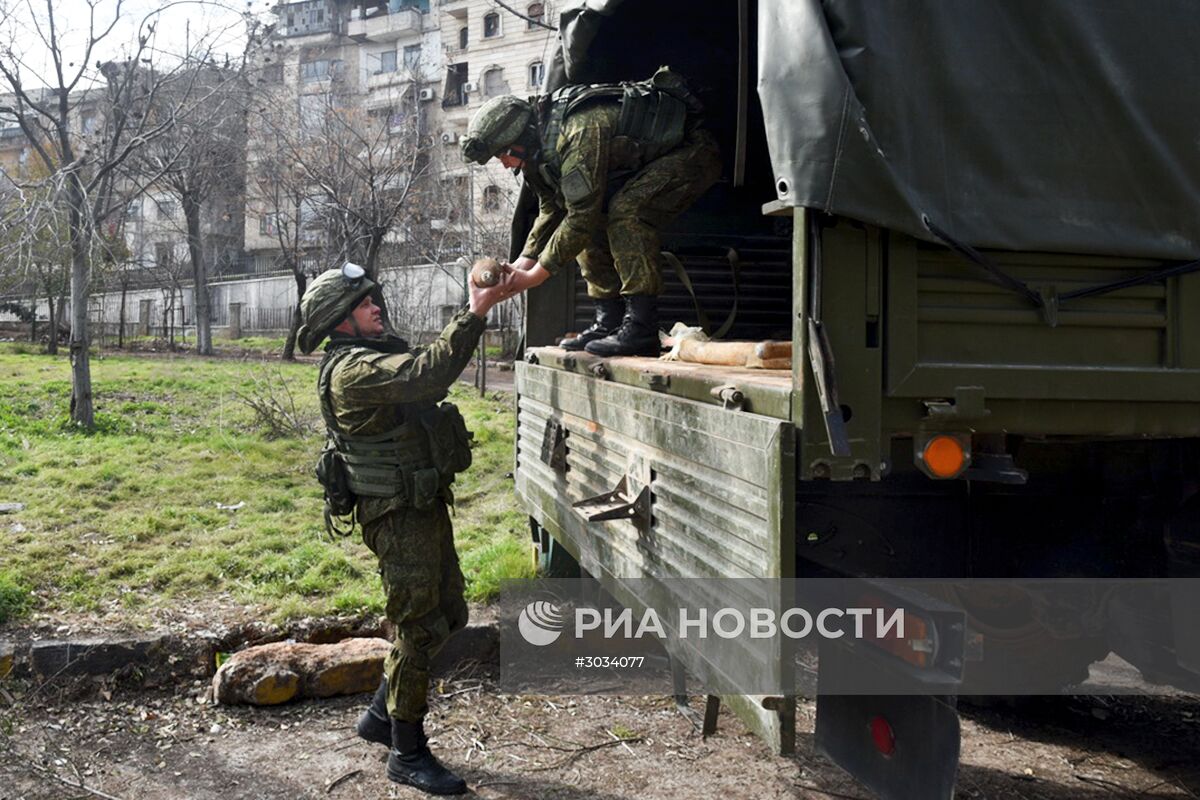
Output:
(1016, 643)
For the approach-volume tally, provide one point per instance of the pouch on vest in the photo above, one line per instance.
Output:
(449, 440)
(331, 474)
(426, 487)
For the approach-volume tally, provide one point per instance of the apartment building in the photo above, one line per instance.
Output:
(489, 52)
(17, 156)
(441, 59)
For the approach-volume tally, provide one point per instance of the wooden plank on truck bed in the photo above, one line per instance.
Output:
(766, 392)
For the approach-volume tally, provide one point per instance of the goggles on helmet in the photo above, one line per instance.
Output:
(353, 275)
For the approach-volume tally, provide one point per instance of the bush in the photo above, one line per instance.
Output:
(14, 598)
(276, 413)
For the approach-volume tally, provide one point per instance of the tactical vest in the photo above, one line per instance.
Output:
(378, 465)
(653, 120)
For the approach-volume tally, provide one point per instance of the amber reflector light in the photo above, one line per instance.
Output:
(944, 456)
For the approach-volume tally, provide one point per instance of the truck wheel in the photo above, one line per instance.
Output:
(551, 559)
(1018, 647)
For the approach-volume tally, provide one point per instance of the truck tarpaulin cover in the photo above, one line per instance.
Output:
(1025, 124)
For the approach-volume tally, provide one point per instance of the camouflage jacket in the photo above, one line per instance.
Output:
(568, 215)
(371, 389)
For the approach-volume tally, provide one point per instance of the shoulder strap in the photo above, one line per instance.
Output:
(324, 386)
(325, 380)
(562, 103)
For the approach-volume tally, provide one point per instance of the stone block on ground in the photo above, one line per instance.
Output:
(276, 673)
(92, 656)
(479, 641)
(8, 655)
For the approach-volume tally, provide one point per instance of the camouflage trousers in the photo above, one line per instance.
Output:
(424, 588)
(624, 257)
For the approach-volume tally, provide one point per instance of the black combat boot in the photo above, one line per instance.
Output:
(411, 763)
(638, 334)
(374, 724)
(608, 319)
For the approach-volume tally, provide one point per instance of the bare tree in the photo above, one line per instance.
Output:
(200, 160)
(280, 196)
(334, 179)
(89, 121)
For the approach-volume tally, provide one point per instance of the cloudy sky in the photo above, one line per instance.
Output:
(178, 25)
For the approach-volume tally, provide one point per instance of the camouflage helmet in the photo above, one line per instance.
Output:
(328, 300)
(496, 125)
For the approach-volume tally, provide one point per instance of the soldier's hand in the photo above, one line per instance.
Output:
(482, 299)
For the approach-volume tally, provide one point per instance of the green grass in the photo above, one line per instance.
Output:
(128, 518)
(14, 598)
(264, 345)
(269, 345)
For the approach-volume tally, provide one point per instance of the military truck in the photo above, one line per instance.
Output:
(977, 224)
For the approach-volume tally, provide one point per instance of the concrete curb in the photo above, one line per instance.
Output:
(159, 659)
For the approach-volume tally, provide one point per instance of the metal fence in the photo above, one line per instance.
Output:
(182, 318)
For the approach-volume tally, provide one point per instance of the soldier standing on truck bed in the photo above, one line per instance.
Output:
(390, 457)
(611, 165)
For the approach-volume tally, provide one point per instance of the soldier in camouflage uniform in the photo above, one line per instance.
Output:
(377, 397)
(611, 165)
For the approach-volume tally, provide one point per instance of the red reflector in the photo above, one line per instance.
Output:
(882, 736)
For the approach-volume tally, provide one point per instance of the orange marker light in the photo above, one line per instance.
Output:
(944, 456)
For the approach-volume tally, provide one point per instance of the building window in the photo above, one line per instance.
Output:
(166, 209)
(163, 256)
(536, 14)
(491, 198)
(313, 111)
(273, 73)
(491, 25)
(493, 82)
(456, 78)
(320, 69)
(387, 62)
(412, 56)
(311, 71)
(464, 34)
(135, 210)
(537, 74)
(268, 225)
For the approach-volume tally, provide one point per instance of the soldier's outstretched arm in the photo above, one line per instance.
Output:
(585, 149)
(548, 219)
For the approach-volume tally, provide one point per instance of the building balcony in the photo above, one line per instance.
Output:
(385, 27)
(384, 80)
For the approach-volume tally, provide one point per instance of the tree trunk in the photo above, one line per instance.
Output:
(191, 212)
(33, 321)
(52, 339)
(289, 346)
(82, 411)
(121, 317)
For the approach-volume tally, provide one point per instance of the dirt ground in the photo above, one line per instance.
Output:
(164, 745)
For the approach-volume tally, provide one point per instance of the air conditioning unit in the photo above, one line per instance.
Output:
(470, 87)
(425, 94)
(449, 137)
